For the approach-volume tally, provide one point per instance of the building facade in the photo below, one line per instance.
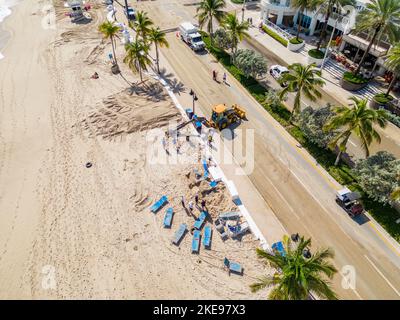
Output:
(281, 13)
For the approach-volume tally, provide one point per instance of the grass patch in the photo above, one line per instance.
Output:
(237, 1)
(384, 214)
(382, 98)
(317, 54)
(274, 35)
(357, 79)
(296, 41)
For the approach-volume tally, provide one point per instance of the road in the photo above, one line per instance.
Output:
(298, 191)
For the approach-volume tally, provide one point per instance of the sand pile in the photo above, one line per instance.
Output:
(125, 113)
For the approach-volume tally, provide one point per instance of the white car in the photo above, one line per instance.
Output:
(277, 71)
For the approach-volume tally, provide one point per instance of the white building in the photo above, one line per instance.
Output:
(281, 13)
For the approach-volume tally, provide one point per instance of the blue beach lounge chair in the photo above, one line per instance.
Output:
(207, 236)
(278, 247)
(199, 222)
(178, 236)
(233, 266)
(213, 184)
(196, 241)
(204, 162)
(159, 204)
(168, 218)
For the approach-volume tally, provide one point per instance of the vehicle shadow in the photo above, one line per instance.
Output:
(361, 219)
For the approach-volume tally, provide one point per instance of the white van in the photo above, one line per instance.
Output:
(190, 34)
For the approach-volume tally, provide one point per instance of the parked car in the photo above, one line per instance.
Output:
(276, 71)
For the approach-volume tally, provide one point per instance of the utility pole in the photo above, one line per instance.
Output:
(126, 9)
(244, 4)
(194, 98)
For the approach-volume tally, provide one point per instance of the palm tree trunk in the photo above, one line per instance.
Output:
(323, 31)
(338, 158)
(391, 86)
(113, 49)
(210, 28)
(367, 51)
(140, 73)
(157, 60)
(300, 19)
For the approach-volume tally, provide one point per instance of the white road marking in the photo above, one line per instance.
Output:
(354, 290)
(382, 275)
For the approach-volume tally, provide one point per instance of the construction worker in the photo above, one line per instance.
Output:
(210, 139)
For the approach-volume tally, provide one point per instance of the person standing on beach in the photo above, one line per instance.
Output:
(183, 202)
(203, 204)
(196, 198)
(191, 206)
(224, 77)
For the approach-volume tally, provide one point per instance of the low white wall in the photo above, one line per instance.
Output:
(295, 47)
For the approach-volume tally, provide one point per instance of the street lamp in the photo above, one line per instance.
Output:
(194, 98)
(330, 39)
(244, 4)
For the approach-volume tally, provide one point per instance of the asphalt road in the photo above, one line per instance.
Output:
(297, 190)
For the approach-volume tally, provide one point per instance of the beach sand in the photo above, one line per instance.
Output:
(71, 232)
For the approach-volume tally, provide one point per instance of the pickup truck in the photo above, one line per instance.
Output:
(349, 201)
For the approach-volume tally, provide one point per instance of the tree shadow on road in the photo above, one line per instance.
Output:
(176, 86)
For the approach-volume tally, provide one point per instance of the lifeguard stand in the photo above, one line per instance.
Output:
(76, 10)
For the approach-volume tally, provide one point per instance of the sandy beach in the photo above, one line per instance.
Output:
(72, 232)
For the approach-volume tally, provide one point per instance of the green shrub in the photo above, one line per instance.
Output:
(317, 54)
(357, 79)
(382, 98)
(296, 41)
(274, 35)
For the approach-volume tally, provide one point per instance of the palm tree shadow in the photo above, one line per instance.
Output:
(153, 91)
(176, 86)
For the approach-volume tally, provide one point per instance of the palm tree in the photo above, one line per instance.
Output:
(142, 25)
(327, 9)
(304, 80)
(110, 31)
(137, 57)
(157, 37)
(235, 30)
(301, 6)
(358, 119)
(393, 64)
(382, 17)
(299, 275)
(207, 11)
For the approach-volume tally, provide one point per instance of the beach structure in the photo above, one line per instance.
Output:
(233, 266)
(235, 231)
(179, 234)
(76, 12)
(207, 236)
(231, 215)
(168, 218)
(196, 241)
(159, 204)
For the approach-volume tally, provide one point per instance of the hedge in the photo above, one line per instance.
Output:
(357, 79)
(274, 35)
(317, 54)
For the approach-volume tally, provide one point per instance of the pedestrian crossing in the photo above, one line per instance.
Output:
(336, 70)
